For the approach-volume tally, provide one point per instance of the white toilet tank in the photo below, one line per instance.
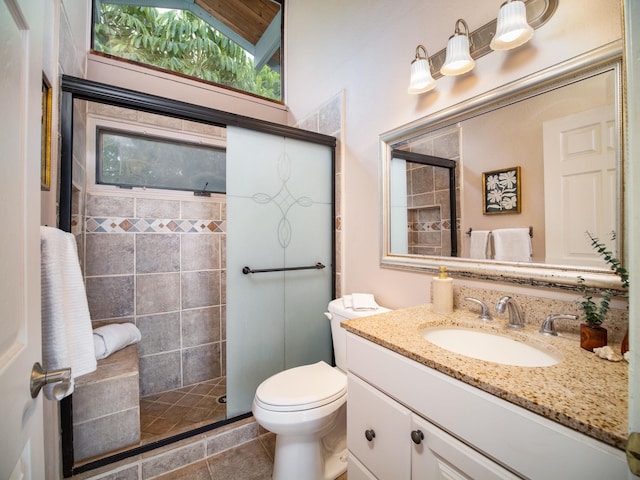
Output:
(339, 313)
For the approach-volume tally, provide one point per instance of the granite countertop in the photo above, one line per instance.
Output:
(582, 392)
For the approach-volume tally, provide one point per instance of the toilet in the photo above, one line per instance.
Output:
(306, 408)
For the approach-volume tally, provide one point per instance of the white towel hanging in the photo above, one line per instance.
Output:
(479, 244)
(512, 244)
(67, 336)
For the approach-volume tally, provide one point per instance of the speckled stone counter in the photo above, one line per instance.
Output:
(582, 392)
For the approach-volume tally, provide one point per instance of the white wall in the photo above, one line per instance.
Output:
(365, 47)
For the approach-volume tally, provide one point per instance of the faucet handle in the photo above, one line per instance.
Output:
(548, 327)
(484, 312)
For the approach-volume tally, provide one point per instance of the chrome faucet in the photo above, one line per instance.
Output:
(516, 318)
(484, 312)
(548, 328)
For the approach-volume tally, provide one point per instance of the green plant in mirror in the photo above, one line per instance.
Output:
(595, 313)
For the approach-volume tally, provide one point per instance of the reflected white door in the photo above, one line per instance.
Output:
(21, 443)
(580, 185)
(279, 215)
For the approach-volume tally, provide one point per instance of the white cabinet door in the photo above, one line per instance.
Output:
(378, 431)
(441, 456)
(357, 471)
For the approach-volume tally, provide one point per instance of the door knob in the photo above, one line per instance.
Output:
(369, 434)
(40, 378)
(417, 436)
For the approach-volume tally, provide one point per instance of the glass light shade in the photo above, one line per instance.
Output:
(458, 59)
(513, 29)
(421, 79)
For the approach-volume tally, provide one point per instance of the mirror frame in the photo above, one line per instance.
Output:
(600, 60)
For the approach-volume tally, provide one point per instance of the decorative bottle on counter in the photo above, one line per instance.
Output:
(442, 292)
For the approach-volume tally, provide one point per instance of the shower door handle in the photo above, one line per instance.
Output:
(40, 378)
(317, 266)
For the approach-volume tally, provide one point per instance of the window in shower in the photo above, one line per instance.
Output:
(129, 159)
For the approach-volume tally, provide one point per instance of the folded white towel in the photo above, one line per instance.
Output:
(479, 245)
(66, 324)
(360, 301)
(512, 244)
(111, 338)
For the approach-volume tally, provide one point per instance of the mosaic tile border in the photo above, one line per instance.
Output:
(152, 225)
(427, 226)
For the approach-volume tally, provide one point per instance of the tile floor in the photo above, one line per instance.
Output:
(250, 461)
(177, 411)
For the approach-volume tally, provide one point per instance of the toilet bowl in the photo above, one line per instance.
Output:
(306, 408)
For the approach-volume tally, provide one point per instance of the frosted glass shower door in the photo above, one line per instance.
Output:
(279, 215)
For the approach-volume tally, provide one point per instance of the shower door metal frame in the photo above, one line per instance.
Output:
(73, 88)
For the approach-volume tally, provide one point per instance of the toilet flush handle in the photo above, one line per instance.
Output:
(328, 315)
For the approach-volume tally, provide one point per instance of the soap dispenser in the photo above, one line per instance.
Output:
(442, 292)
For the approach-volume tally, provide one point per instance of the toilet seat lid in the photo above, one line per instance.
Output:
(302, 388)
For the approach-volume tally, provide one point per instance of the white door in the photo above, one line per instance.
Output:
(21, 443)
(580, 177)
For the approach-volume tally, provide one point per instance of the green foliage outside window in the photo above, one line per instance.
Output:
(178, 41)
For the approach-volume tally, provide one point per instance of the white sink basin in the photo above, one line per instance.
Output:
(490, 347)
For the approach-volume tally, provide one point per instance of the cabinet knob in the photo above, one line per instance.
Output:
(369, 434)
(417, 436)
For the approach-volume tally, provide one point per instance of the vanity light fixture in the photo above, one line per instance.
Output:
(516, 22)
(421, 79)
(513, 29)
(458, 59)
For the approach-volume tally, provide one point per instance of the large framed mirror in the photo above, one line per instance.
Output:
(541, 155)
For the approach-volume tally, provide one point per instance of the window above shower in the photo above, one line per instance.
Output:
(234, 44)
(150, 155)
(128, 159)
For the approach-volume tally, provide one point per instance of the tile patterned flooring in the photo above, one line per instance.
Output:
(250, 461)
(183, 409)
(177, 411)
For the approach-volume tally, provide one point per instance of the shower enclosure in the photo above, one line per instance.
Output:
(174, 265)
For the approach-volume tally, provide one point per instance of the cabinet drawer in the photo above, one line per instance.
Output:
(388, 454)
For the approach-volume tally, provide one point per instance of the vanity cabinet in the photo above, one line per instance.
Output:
(468, 433)
(395, 443)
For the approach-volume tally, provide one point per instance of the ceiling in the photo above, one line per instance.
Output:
(248, 18)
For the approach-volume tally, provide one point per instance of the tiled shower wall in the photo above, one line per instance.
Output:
(328, 119)
(160, 264)
(428, 195)
(429, 206)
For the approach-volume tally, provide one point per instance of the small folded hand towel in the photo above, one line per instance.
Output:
(479, 246)
(111, 338)
(512, 244)
(360, 301)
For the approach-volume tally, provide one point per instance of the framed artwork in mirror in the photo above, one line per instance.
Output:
(501, 191)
